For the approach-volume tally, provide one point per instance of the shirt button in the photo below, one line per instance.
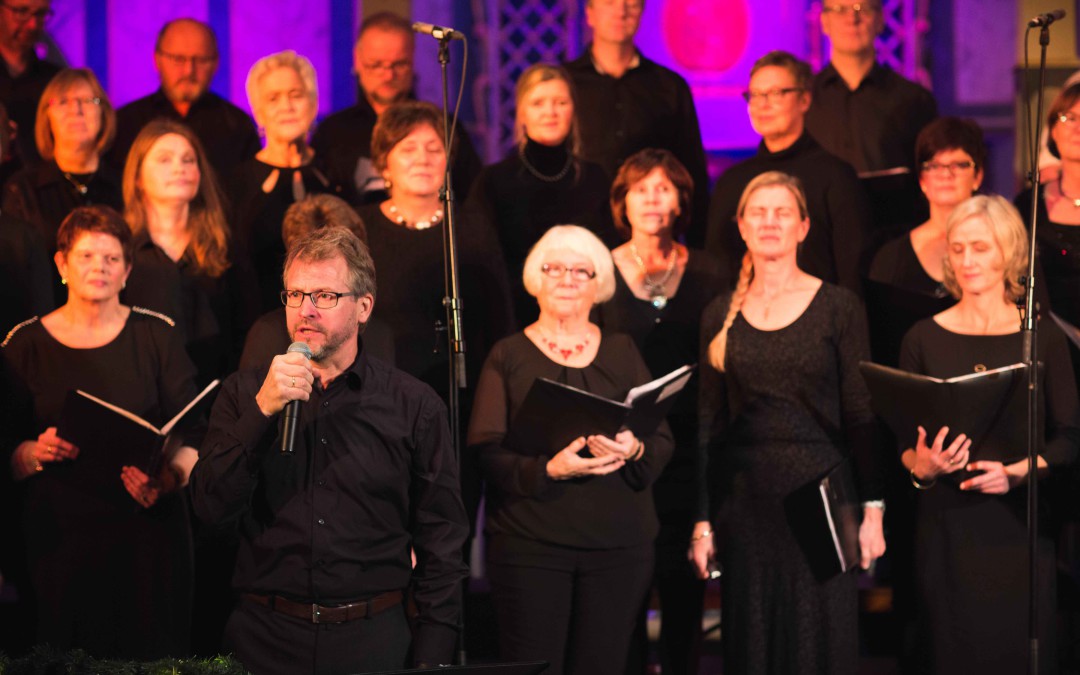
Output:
(322, 482)
(326, 404)
(321, 521)
(323, 441)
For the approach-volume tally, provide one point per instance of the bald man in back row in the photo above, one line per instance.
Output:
(186, 59)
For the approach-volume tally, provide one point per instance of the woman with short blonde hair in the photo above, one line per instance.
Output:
(570, 529)
(282, 89)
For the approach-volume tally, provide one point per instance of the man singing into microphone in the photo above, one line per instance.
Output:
(326, 530)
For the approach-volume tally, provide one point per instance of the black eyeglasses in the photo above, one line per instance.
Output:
(182, 59)
(558, 271)
(770, 96)
(321, 299)
(24, 14)
(856, 9)
(950, 168)
(74, 101)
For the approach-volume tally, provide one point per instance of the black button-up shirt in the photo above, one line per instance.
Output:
(650, 106)
(373, 475)
(873, 128)
(227, 133)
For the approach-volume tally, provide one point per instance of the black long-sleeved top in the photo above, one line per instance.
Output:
(650, 106)
(373, 474)
(592, 512)
(797, 386)
(20, 96)
(212, 313)
(839, 212)
(227, 133)
(521, 208)
(343, 141)
(42, 196)
(256, 217)
(873, 128)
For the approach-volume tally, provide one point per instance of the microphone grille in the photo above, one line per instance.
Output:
(300, 348)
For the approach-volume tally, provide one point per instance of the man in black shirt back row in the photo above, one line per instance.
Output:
(186, 59)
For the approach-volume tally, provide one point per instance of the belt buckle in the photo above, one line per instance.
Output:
(315, 614)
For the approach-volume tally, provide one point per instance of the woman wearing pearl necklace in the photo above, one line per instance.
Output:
(406, 241)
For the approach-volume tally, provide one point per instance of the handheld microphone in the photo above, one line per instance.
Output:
(1047, 18)
(292, 408)
(437, 32)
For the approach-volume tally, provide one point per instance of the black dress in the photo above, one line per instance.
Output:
(43, 196)
(409, 269)
(256, 218)
(213, 314)
(110, 578)
(972, 549)
(668, 338)
(521, 208)
(778, 419)
(569, 561)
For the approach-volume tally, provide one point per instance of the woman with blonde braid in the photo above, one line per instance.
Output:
(782, 403)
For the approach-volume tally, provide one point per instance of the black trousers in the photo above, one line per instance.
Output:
(573, 608)
(269, 642)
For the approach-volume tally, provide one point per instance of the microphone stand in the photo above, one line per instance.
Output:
(452, 298)
(1029, 356)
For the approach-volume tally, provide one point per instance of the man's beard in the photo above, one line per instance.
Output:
(331, 344)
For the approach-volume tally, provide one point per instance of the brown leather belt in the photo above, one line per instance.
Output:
(309, 611)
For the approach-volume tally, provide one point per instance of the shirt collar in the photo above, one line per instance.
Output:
(829, 76)
(356, 374)
(635, 62)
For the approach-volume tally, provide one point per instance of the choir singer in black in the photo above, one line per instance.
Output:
(326, 531)
(570, 538)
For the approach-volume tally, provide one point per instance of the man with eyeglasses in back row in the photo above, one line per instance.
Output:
(383, 62)
(24, 75)
(186, 59)
(777, 100)
(868, 115)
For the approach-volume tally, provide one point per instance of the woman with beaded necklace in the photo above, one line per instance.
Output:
(406, 241)
(543, 181)
(661, 289)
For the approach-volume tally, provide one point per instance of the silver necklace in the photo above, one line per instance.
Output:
(434, 220)
(544, 177)
(656, 288)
